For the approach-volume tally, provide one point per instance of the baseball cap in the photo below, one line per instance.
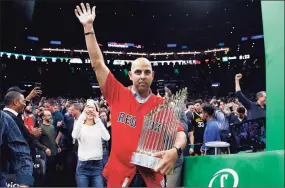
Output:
(17, 89)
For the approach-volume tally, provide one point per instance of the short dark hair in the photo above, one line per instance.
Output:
(216, 102)
(103, 111)
(199, 101)
(189, 104)
(10, 97)
(209, 109)
(241, 110)
(77, 106)
(50, 102)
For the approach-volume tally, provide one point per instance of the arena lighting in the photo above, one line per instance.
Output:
(34, 58)
(136, 53)
(185, 53)
(217, 50)
(155, 54)
(155, 63)
(33, 38)
(113, 52)
(76, 60)
(121, 62)
(56, 50)
(81, 51)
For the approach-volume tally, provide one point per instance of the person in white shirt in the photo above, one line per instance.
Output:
(89, 131)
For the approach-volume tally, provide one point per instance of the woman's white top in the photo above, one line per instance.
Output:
(90, 138)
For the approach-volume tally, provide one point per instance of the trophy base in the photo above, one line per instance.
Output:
(144, 160)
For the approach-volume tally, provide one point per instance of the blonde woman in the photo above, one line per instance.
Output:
(89, 131)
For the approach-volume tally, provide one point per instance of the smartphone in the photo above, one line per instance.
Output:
(39, 85)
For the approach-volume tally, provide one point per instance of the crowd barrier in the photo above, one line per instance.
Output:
(260, 169)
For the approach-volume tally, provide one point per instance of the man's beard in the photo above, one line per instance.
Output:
(47, 120)
(28, 111)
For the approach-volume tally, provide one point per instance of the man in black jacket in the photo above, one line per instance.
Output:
(14, 105)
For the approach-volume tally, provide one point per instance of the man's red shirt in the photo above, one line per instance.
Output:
(127, 122)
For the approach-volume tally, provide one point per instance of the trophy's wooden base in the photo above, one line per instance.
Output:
(144, 160)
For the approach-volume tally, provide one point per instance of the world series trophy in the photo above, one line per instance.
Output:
(159, 130)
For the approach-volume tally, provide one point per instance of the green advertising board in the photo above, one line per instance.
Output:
(273, 28)
(263, 169)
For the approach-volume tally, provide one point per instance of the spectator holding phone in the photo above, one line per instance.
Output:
(89, 131)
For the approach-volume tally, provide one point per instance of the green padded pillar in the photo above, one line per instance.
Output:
(273, 29)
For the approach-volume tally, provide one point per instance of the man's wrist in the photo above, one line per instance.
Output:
(178, 150)
(88, 28)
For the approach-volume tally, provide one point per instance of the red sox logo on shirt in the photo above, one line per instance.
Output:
(131, 121)
(127, 119)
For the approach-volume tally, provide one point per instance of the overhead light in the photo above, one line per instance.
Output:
(115, 13)
(233, 27)
(190, 53)
(15, 47)
(154, 54)
(26, 28)
(113, 52)
(153, 16)
(225, 9)
(231, 32)
(186, 14)
(58, 50)
(217, 50)
(31, 49)
(252, 43)
(132, 15)
(169, 14)
(136, 53)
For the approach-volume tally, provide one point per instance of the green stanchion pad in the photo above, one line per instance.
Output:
(263, 169)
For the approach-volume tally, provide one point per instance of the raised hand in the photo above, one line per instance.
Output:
(238, 76)
(35, 92)
(48, 152)
(84, 14)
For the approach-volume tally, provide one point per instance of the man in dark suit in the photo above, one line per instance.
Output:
(14, 149)
(14, 104)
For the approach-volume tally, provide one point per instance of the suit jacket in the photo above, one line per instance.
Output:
(66, 130)
(30, 139)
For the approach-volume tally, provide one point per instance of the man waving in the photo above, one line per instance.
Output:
(128, 107)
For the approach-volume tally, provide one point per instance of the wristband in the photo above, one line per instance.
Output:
(89, 33)
(192, 146)
(179, 151)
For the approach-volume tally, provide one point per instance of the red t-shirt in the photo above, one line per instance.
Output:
(29, 122)
(127, 121)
